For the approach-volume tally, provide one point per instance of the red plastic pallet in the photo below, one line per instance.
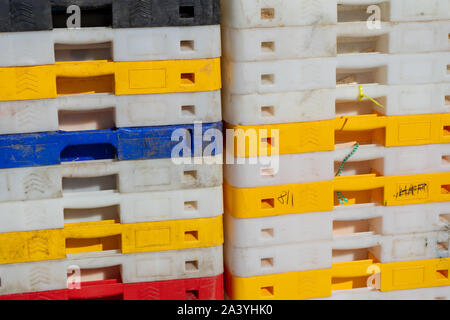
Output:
(209, 288)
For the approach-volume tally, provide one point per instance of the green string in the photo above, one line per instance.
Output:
(343, 200)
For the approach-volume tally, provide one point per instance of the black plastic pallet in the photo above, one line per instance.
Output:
(39, 15)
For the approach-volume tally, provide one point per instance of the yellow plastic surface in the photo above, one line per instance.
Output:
(415, 274)
(342, 276)
(31, 246)
(321, 196)
(389, 131)
(281, 286)
(121, 78)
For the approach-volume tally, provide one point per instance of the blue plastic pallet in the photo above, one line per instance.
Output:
(51, 148)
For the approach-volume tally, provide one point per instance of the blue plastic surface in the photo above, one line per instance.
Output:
(50, 148)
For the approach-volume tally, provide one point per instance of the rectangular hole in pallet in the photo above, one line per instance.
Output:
(190, 236)
(267, 203)
(445, 218)
(86, 85)
(187, 12)
(111, 214)
(111, 243)
(98, 16)
(187, 79)
(267, 291)
(188, 111)
(267, 111)
(268, 141)
(191, 266)
(442, 246)
(366, 197)
(365, 137)
(83, 52)
(446, 159)
(187, 45)
(448, 69)
(90, 184)
(267, 233)
(267, 46)
(361, 13)
(377, 44)
(190, 176)
(267, 79)
(192, 295)
(101, 151)
(355, 167)
(447, 101)
(267, 172)
(356, 226)
(446, 131)
(86, 120)
(445, 189)
(339, 256)
(356, 108)
(267, 13)
(101, 274)
(442, 274)
(267, 263)
(190, 206)
(361, 76)
(356, 282)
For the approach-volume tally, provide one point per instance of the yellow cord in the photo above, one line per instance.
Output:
(362, 95)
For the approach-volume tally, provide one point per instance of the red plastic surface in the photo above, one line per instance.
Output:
(210, 288)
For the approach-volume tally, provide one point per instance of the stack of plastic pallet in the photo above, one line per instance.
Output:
(341, 126)
(92, 205)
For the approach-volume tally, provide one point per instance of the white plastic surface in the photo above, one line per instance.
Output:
(322, 166)
(102, 111)
(279, 76)
(33, 183)
(316, 226)
(328, 73)
(277, 13)
(78, 207)
(326, 104)
(279, 43)
(131, 268)
(137, 44)
(260, 44)
(435, 293)
(257, 261)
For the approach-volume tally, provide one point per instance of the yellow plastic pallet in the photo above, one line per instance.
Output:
(121, 78)
(389, 131)
(342, 276)
(17, 247)
(322, 196)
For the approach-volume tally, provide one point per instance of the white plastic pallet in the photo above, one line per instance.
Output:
(130, 268)
(326, 104)
(102, 111)
(34, 183)
(261, 44)
(79, 207)
(328, 73)
(322, 166)
(257, 261)
(278, 13)
(435, 293)
(137, 44)
(318, 226)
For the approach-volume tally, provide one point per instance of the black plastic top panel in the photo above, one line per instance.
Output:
(38, 15)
